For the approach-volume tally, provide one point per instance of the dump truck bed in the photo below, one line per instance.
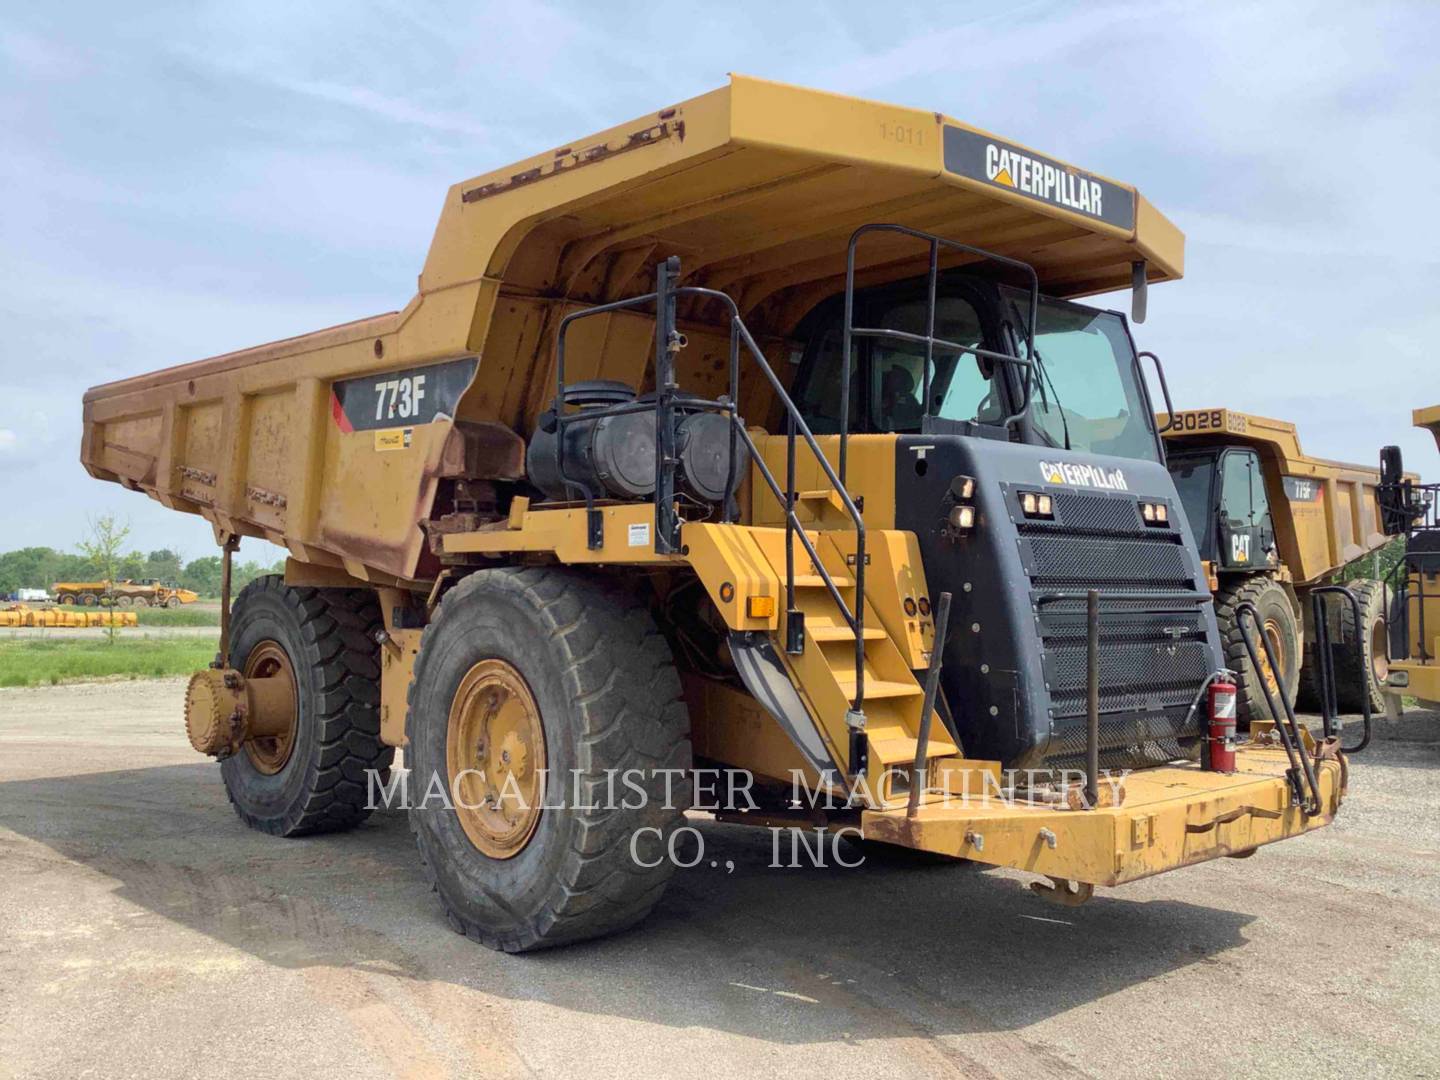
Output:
(756, 185)
(1326, 513)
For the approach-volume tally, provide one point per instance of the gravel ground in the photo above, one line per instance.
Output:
(145, 932)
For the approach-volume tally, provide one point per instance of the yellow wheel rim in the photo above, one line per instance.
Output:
(1276, 639)
(495, 754)
(1380, 651)
(270, 754)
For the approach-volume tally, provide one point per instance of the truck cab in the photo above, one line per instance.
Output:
(1223, 493)
(1075, 432)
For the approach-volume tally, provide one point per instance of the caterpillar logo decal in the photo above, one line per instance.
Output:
(1065, 472)
(1001, 164)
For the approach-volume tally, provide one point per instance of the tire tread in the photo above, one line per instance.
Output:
(346, 668)
(609, 644)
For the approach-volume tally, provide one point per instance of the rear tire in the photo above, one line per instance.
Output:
(1277, 620)
(327, 635)
(601, 677)
(1361, 654)
(89, 599)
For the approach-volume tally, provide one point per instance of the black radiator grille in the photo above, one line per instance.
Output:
(1057, 559)
(1153, 651)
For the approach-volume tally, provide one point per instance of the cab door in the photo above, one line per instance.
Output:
(1247, 531)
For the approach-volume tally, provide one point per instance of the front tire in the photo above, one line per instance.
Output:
(575, 674)
(1278, 623)
(314, 778)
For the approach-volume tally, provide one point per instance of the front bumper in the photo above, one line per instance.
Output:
(1171, 817)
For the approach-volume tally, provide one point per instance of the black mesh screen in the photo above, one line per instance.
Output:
(1153, 650)
(1057, 559)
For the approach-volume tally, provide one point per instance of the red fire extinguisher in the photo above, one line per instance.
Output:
(1220, 743)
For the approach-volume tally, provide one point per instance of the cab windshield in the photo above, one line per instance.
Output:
(1085, 394)
(1084, 391)
(1194, 477)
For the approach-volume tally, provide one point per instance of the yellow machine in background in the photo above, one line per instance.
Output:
(21, 615)
(1272, 522)
(695, 433)
(1413, 510)
(145, 592)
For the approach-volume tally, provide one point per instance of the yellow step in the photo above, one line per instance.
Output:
(878, 688)
(842, 633)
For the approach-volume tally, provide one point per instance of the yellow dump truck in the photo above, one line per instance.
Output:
(1271, 522)
(761, 434)
(141, 592)
(1412, 510)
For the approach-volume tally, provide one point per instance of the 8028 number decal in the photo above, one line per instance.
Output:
(1202, 420)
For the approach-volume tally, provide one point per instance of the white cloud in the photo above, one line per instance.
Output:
(8, 440)
(381, 105)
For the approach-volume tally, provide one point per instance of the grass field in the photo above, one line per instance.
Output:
(181, 616)
(37, 661)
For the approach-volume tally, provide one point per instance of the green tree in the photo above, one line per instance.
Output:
(202, 575)
(102, 548)
(163, 564)
(29, 568)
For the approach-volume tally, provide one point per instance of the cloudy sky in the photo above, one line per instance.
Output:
(178, 180)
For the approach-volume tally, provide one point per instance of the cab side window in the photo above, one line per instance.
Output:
(819, 399)
(961, 387)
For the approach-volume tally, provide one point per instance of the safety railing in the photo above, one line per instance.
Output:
(928, 339)
(1329, 707)
(1414, 510)
(668, 343)
(1304, 783)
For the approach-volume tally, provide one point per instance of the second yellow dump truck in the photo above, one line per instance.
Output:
(759, 438)
(1272, 522)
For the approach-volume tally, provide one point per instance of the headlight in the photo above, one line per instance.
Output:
(1155, 513)
(1036, 504)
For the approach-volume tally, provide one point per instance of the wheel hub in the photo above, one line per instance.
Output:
(269, 754)
(495, 755)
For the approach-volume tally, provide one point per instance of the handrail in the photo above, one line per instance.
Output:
(1329, 706)
(1301, 773)
(928, 339)
(668, 341)
(1419, 506)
